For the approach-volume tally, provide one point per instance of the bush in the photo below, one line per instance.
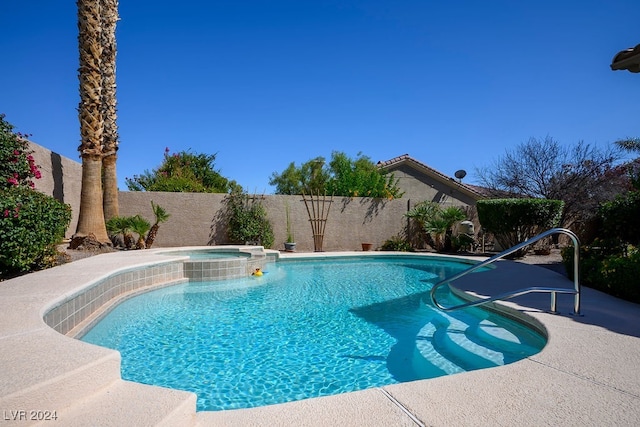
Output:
(437, 222)
(31, 224)
(397, 244)
(621, 217)
(513, 221)
(247, 220)
(183, 172)
(608, 268)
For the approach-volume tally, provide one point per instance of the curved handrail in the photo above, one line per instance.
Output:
(576, 280)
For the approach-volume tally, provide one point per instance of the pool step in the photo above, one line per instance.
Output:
(429, 356)
(456, 342)
(134, 408)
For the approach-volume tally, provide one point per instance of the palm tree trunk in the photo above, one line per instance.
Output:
(91, 214)
(109, 18)
(151, 237)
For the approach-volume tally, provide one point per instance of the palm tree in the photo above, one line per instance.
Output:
(91, 214)
(161, 216)
(120, 225)
(109, 18)
(451, 215)
(140, 226)
(629, 144)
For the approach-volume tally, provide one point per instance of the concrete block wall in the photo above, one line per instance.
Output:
(197, 218)
(61, 178)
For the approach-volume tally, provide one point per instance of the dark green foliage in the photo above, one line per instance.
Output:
(31, 224)
(621, 217)
(247, 220)
(437, 222)
(513, 221)
(581, 175)
(397, 244)
(608, 267)
(183, 172)
(120, 229)
(343, 176)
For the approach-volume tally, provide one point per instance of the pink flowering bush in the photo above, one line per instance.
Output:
(31, 223)
(17, 166)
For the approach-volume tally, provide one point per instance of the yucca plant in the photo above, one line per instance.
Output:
(161, 216)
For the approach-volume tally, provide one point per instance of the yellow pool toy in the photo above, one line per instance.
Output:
(258, 272)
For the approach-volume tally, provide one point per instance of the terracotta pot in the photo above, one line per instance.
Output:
(367, 246)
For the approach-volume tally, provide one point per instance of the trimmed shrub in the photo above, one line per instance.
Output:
(621, 217)
(513, 221)
(611, 269)
(31, 224)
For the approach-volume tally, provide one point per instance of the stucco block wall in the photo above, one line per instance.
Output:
(197, 219)
(419, 187)
(61, 178)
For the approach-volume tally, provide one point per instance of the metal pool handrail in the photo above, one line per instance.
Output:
(576, 279)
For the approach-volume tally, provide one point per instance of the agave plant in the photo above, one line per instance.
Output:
(161, 216)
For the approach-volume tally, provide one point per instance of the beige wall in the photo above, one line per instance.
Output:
(61, 178)
(418, 186)
(196, 217)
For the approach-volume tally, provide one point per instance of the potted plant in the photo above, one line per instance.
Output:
(290, 243)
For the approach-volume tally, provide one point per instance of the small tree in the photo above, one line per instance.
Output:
(183, 172)
(579, 175)
(343, 176)
(512, 221)
(247, 220)
(161, 216)
(140, 226)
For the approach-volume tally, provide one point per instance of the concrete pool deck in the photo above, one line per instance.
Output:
(587, 374)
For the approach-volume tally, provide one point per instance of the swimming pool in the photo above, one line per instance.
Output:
(306, 329)
(203, 254)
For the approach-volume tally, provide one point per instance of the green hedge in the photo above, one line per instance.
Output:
(31, 224)
(614, 270)
(621, 217)
(513, 221)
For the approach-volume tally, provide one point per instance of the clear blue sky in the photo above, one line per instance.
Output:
(263, 83)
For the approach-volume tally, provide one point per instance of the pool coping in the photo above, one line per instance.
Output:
(587, 374)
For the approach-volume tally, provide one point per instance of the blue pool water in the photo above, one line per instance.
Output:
(305, 329)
